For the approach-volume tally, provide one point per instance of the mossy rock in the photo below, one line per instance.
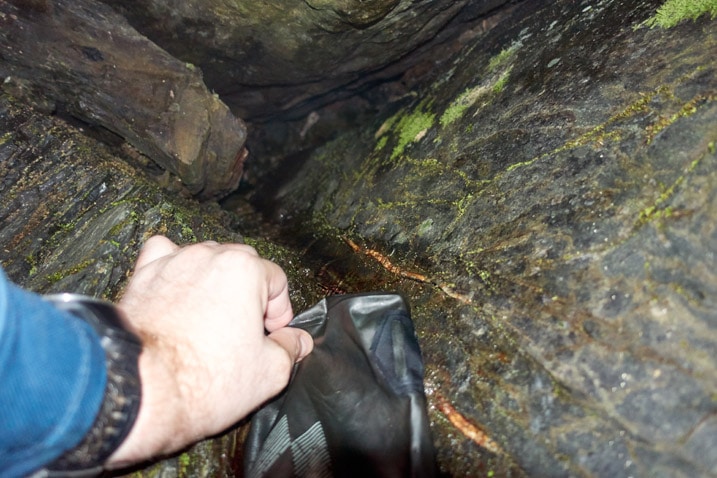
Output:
(74, 214)
(550, 213)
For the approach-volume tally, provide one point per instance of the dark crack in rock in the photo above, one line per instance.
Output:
(290, 57)
(553, 194)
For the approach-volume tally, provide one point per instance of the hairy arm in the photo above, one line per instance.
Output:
(213, 319)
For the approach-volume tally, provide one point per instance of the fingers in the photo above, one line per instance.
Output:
(285, 347)
(278, 307)
(278, 312)
(158, 246)
(296, 342)
(155, 248)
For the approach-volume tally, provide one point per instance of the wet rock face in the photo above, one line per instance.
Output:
(547, 204)
(283, 56)
(83, 59)
(552, 198)
(73, 216)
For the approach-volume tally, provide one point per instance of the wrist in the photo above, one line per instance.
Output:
(122, 396)
(159, 428)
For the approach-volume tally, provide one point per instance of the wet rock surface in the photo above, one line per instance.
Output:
(290, 57)
(548, 204)
(82, 59)
(73, 216)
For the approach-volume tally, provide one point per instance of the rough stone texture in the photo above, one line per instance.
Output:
(87, 61)
(287, 57)
(73, 216)
(549, 205)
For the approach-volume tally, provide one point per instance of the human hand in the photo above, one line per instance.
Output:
(202, 312)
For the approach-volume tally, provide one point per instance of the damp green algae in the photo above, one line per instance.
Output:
(410, 203)
(495, 82)
(461, 191)
(658, 209)
(431, 167)
(464, 101)
(688, 109)
(268, 249)
(611, 130)
(408, 126)
(674, 12)
(499, 85)
(484, 275)
(59, 275)
(411, 127)
(381, 143)
(186, 230)
(184, 460)
(131, 219)
(32, 262)
(503, 57)
(425, 227)
(598, 134)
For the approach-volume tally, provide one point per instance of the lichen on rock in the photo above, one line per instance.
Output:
(554, 235)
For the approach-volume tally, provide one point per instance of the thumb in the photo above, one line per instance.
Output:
(298, 343)
(155, 248)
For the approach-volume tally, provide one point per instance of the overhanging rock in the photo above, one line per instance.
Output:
(73, 216)
(86, 60)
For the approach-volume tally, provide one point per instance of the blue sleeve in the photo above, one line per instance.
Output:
(52, 380)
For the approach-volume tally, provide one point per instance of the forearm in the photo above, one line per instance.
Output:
(52, 370)
(161, 426)
(203, 313)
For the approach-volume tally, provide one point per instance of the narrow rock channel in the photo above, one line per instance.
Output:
(546, 201)
(537, 178)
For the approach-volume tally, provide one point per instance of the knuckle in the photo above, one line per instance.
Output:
(197, 252)
(249, 249)
(237, 261)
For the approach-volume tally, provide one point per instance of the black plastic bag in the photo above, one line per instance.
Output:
(355, 406)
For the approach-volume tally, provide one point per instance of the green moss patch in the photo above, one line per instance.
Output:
(672, 12)
(502, 81)
(502, 58)
(461, 104)
(411, 127)
(495, 82)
